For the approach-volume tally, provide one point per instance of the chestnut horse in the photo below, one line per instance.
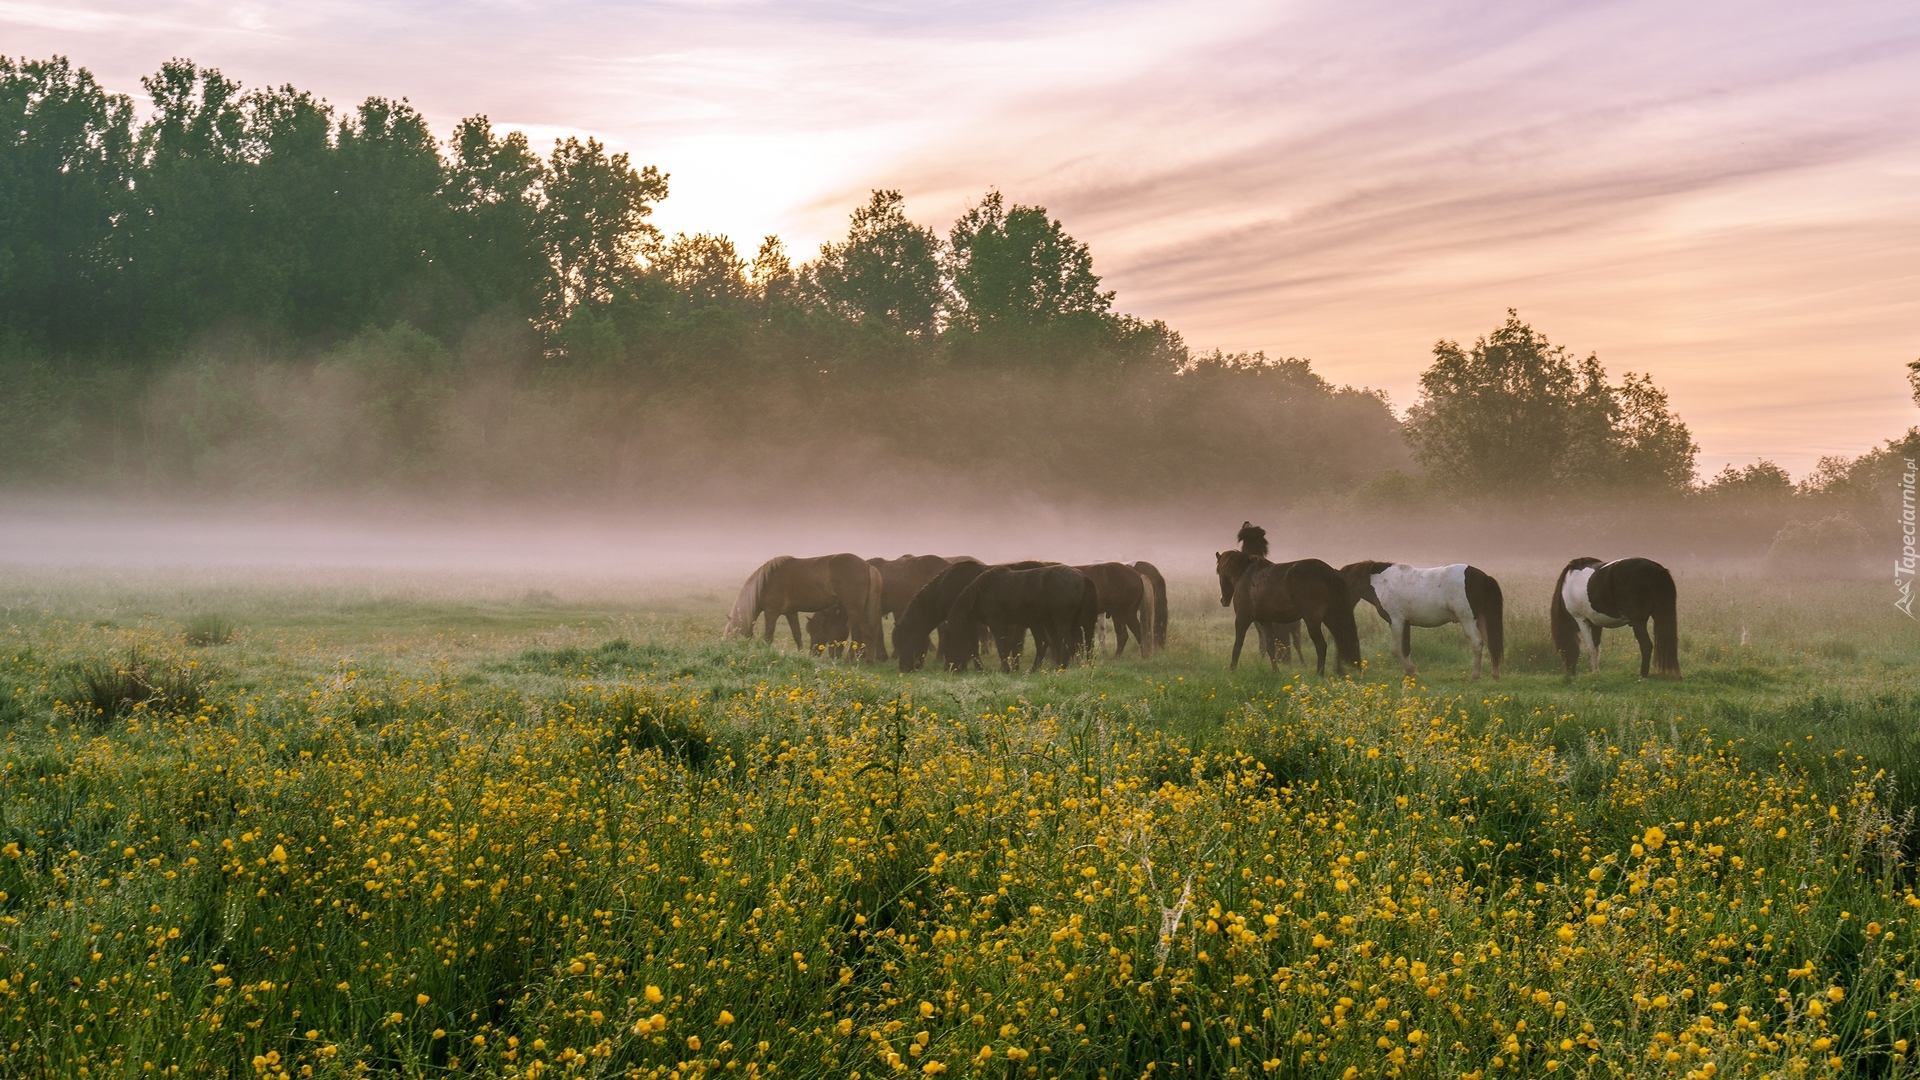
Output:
(1307, 589)
(786, 586)
(900, 579)
(1124, 595)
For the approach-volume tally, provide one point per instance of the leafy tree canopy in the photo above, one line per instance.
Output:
(1517, 415)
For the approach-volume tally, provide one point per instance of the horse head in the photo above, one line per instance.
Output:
(1229, 565)
(1359, 579)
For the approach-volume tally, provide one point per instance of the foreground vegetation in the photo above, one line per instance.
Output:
(493, 837)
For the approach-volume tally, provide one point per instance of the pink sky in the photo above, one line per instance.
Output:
(1725, 195)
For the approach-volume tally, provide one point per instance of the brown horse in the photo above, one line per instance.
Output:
(1056, 602)
(786, 586)
(1124, 595)
(1158, 583)
(913, 628)
(1262, 591)
(1278, 640)
(900, 579)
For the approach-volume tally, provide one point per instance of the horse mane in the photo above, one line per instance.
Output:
(1253, 540)
(746, 606)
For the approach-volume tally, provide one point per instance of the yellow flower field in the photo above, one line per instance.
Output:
(823, 876)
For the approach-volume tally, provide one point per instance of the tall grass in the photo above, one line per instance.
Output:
(580, 856)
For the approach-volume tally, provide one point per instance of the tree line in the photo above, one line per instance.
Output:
(181, 288)
(273, 211)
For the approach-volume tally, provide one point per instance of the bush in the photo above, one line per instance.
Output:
(1831, 547)
(103, 690)
(209, 630)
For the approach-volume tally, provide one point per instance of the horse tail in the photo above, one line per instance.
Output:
(746, 606)
(1144, 616)
(1566, 632)
(1159, 584)
(1089, 614)
(1666, 625)
(1339, 619)
(1483, 596)
(876, 646)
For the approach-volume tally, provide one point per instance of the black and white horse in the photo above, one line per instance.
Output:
(1591, 595)
(1410, 596)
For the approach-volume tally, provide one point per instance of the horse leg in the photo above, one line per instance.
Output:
(1293, 635)
(1646, 645)
(1590, 637)
(1120, 634)
(1271, 646)
(1239, 639)
(773, 619)
(1402, 631)
(1319, 648)
(1474, 642)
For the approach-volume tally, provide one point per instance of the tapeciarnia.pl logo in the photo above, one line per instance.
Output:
(1903, 567)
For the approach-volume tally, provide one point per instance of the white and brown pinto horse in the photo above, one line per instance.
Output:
(1410, 596)
(1592, 595)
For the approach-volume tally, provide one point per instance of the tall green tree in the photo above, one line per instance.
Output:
(594, 224)
(65, 159)
(188, 245)
(1517, 415)
(390, 216)
(887, 271)
(1014, 269)
(705, 271)
(493, 188)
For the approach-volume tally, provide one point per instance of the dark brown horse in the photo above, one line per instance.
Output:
(1278, 640)
(1123, 595)
(927, 611)
(1056, 602)
(1158, 583)
(1307, 589)
(786, 586)
(900, 579)
(913, 628)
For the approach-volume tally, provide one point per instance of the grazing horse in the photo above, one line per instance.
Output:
(899, 579)
(1056, 602)
(1124, 595)
(1308, 589)
(913, 627)
(786, 586)
(1159, 586)
(902, 577)
(1408, 596)
(1625, 592)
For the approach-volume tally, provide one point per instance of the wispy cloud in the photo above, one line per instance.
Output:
(1722, 193)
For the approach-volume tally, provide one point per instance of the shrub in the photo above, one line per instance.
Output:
(209, 630)
(1831, 547)
(104, 690)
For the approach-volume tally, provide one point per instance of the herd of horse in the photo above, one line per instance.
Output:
(963, 603)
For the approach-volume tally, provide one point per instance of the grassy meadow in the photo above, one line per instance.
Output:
(276, 830)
